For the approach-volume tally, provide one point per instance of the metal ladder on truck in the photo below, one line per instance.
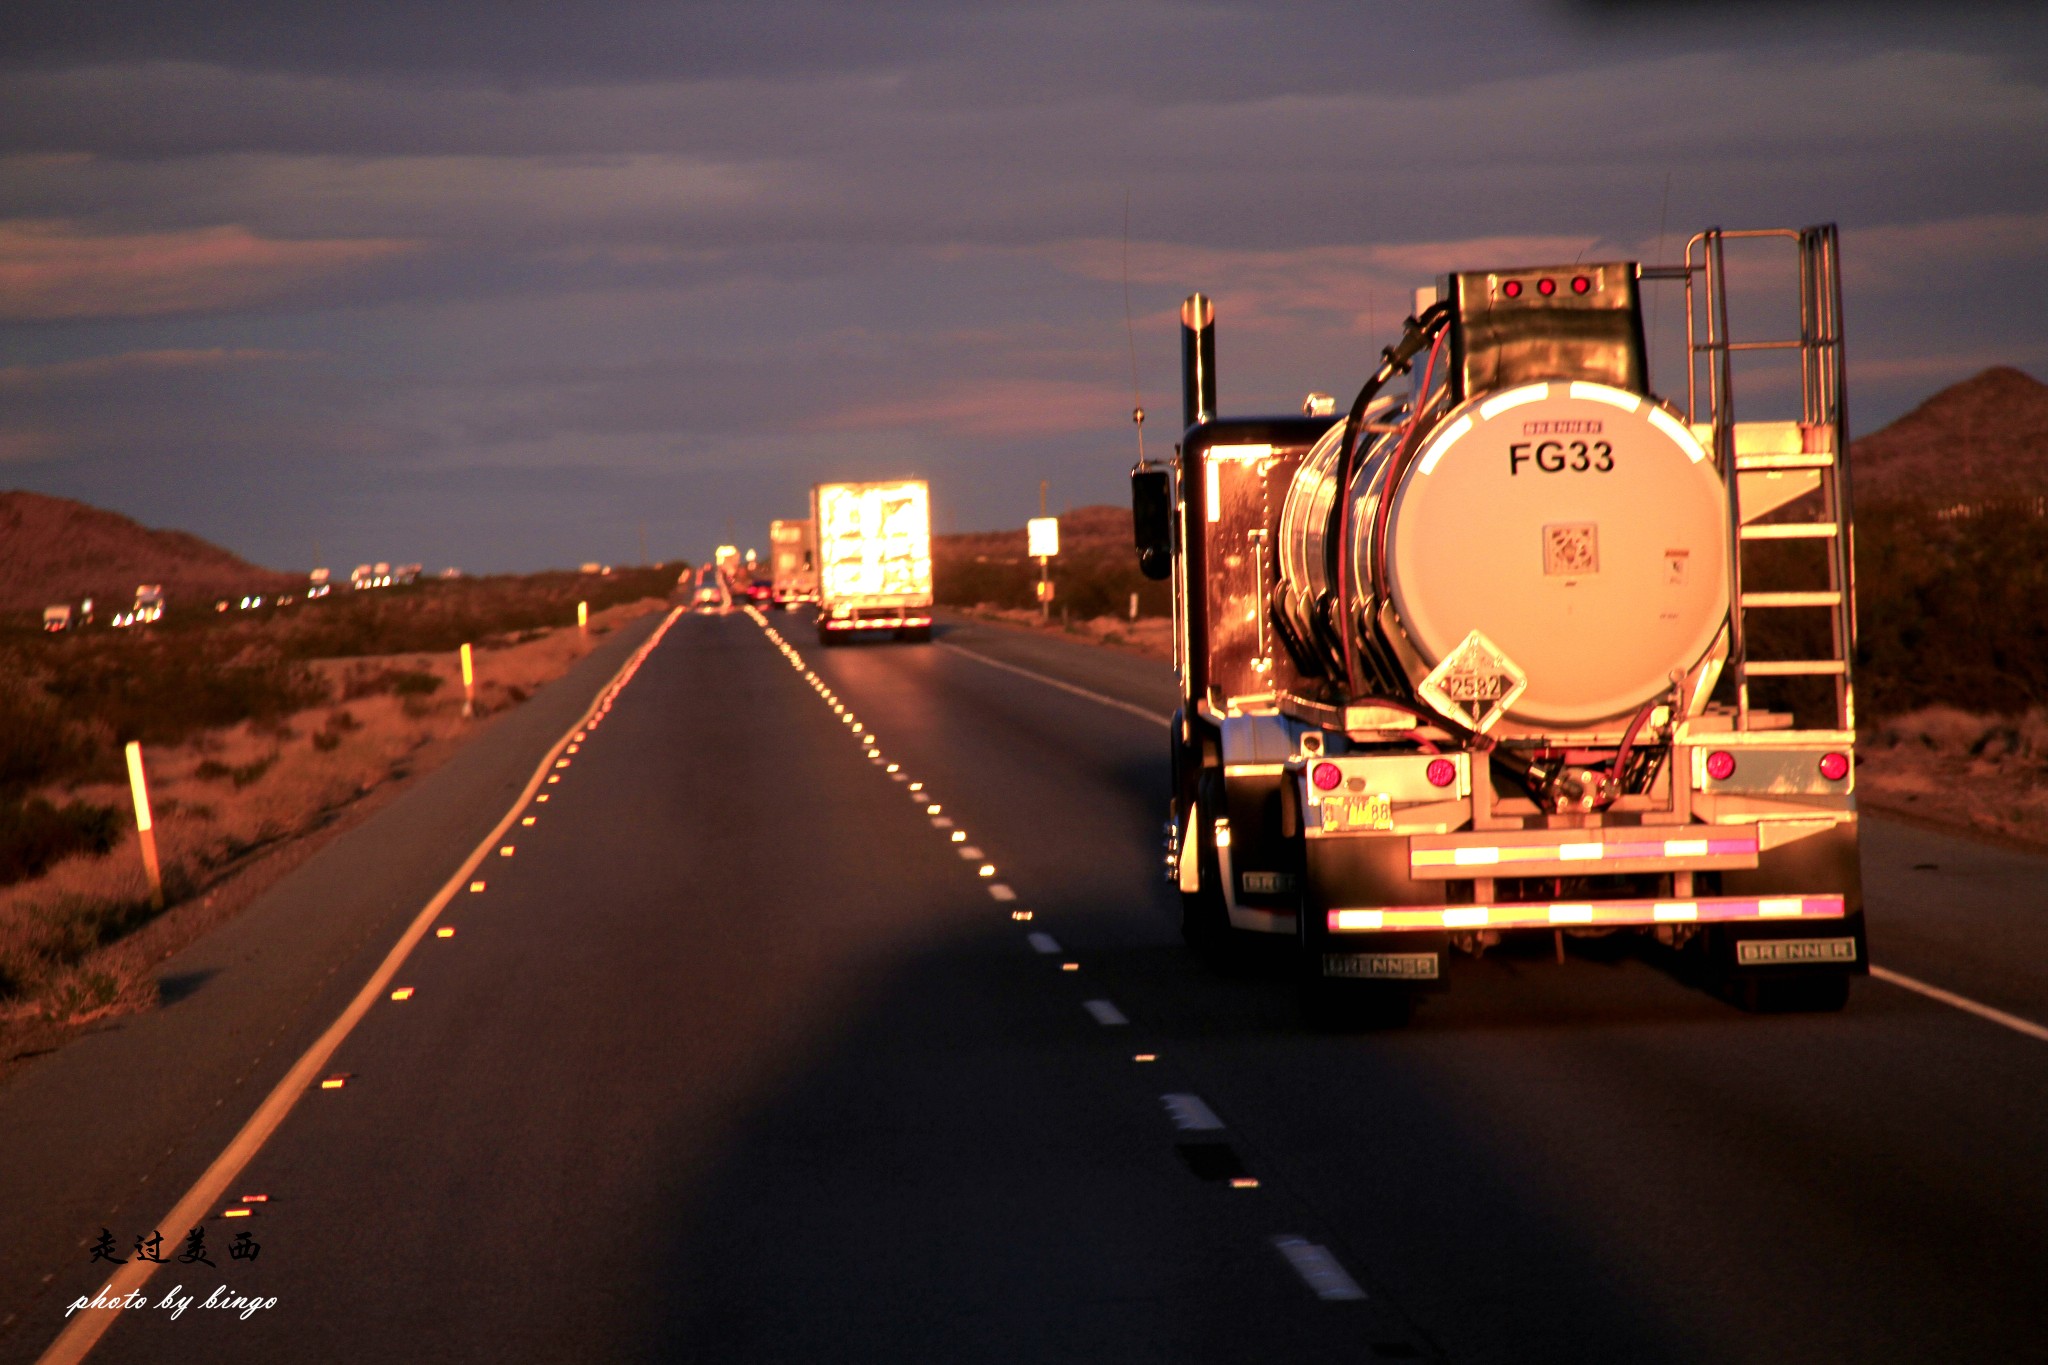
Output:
(1784, 461)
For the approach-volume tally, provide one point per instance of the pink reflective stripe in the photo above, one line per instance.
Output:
(1548, 913)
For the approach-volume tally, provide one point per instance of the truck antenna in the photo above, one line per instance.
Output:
(1131, 333)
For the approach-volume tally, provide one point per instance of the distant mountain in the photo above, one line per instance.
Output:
(57, 550)
(1984, 439)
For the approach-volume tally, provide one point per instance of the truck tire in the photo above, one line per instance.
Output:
(1204, 915)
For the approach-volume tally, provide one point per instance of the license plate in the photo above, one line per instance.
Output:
(1268, 883)
(1357, 812)
(1773, 951)
(1382, 966)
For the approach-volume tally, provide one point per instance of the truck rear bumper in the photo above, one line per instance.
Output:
(1583, 914)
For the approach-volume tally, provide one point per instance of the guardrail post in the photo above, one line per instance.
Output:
(139, 786)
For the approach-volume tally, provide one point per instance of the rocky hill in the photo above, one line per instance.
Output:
(57, 550)
(1983, 440)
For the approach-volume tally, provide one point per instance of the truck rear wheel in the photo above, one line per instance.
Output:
(1204, 914)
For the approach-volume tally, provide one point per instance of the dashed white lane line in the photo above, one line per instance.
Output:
(968, 851)
(1190, 1115)
(1125, 706)
(1962, 1002)
(1318, 1269)
(1001, 892)
(1106, 1014)
(1043, 943)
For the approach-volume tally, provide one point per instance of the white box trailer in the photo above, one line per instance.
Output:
(793, 566)
(874, 559)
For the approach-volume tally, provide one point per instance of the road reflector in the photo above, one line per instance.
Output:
(1244, 1182)
(553, 778)
(542, 797)
(505, 852)
(236, 1213)
(402, 993)
(988, 869)
(445, 931)
(1020, 914)
(959, 836)
(476, 886)
(333, 1082)
(917, 786)
(255, 1199)
(1070, 966)
(527, 821)
(1146, 1057)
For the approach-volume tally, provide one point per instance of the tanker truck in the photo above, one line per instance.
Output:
(1517, 646)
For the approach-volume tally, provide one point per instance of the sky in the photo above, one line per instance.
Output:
(510, 286)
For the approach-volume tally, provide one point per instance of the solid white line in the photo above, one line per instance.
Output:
(1043, 943)
(82, 1333)
(1106, 1014)
(1138, 711)
(1318, 1268)
(1962, 1002)
(1189, 1114)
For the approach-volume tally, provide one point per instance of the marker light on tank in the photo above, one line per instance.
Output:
(1834, 767)
(1326, 776)
(1580, 284)
(1720, 765)
(1441, 772)
(1546, 287)
(1512, 289)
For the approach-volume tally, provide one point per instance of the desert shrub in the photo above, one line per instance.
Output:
(35, 833)
(402, 682)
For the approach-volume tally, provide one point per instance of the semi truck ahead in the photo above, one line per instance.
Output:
(793, 567)
(874, 559)
(1521, 647)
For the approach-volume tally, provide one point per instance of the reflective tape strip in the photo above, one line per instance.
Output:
(1619, 912)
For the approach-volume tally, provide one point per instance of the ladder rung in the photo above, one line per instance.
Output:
(1790, 530)
(1819, 459)
(1792, 599)
(1793, 668)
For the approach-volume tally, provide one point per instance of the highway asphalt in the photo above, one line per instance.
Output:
(741, 1056)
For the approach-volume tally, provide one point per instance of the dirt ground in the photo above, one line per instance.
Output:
(236, 809)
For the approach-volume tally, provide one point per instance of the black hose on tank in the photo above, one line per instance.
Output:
(1394, 360)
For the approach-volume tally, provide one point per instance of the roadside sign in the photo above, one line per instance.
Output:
(1043, 534)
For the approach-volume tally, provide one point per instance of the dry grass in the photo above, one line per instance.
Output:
(222, 797)
(1961, 768)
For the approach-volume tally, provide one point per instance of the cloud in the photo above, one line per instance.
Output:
(53, 269)
(94, 369)
(1007, 409)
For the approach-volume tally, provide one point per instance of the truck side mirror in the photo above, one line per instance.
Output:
(1152, 520)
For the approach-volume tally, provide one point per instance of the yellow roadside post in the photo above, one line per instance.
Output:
(143, 826)
(468, 684)
(583, 616)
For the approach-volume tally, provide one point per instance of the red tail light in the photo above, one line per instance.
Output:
(1441, 772)
(1834, 767)
(1580, 284)
(1720, 765)
(1513, 289)
(1326, 776)
(1546, 287)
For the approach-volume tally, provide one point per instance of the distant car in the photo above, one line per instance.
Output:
(709, 600)
(57, 617)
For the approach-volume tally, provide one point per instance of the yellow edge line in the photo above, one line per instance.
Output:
(1962, 1002)
(83, 1332)
(1140, 711)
